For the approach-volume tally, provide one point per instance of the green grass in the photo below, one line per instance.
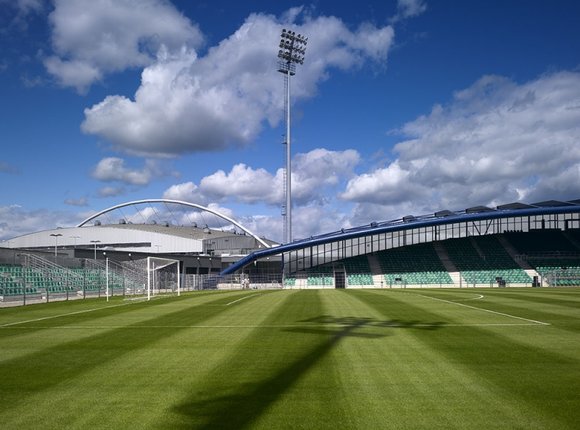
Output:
(300, 359)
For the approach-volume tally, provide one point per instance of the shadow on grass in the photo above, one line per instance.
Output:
(38, 317)
(239, 405)
(33, 373)
(526, 370)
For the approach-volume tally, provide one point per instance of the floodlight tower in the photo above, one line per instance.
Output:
(292, 50)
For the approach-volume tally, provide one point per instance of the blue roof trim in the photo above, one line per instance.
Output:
(398, 225)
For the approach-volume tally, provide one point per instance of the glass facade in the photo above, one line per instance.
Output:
(341, 247)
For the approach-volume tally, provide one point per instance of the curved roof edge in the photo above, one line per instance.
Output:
(408, 222)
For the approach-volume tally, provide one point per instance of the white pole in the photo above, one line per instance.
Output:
(178, 281)
(107, 275)
(148, 279)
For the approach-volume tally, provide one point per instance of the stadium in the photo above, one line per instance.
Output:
(191, 324)
(515, 244)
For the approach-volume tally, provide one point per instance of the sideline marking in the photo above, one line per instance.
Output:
(63, 315)
(127, 302)
(486, 310)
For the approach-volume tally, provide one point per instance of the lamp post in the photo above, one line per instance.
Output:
(95, 242)
(75, 240)
(56, 236)
(292, 50)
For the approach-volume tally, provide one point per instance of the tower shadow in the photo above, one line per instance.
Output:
(245, 403)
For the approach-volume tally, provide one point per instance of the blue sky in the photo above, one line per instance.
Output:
(401, 107)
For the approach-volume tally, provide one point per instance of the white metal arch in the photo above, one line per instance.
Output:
(179, 202)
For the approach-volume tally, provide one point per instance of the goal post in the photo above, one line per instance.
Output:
(162, 277)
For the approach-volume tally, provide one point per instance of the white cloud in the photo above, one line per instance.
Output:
(496, 142)
(244, 184)
(314, 174)
(308, 221)
(111, 191)
(17, 221)
(91, 39)
(409, 9)
(74, 73)
(82, 201)
(114, 169)
(16, 13)
(187, 192)
(390, 184)
(187, 104)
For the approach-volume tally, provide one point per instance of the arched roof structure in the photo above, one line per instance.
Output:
(178, 202)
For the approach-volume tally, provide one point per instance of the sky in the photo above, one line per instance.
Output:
(402, 107)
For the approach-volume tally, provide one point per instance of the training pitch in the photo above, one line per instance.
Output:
(299, 359)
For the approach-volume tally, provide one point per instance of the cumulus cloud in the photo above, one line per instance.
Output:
(317, 171)
(187, 192)
(187, 104)
(92, 39)
(114, 169)
(314, 174)
(244, 184)
(496, 142)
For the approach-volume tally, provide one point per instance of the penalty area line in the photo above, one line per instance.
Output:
(485, 310)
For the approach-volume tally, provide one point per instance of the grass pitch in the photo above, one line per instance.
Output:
(300, 359)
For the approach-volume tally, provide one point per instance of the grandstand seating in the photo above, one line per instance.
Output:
(320, 276)
(416, 264)
(358, 271)
(16, 280)
(483, 259)
(554, 254)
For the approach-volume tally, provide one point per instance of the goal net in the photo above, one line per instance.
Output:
(162, 277)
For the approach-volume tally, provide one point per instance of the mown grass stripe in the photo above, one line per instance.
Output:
(485, 310)
(269, 373)
(53, 365)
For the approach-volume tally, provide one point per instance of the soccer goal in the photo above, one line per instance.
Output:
(162, 277)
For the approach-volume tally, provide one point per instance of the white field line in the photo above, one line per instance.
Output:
(486, 310)
(479, 297)
(277, 326)
(62, 315)
(239, 300)
(128, 302)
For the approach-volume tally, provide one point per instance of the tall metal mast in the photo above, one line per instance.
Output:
(292, 50)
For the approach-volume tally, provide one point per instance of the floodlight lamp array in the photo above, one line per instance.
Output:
(292, 47)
